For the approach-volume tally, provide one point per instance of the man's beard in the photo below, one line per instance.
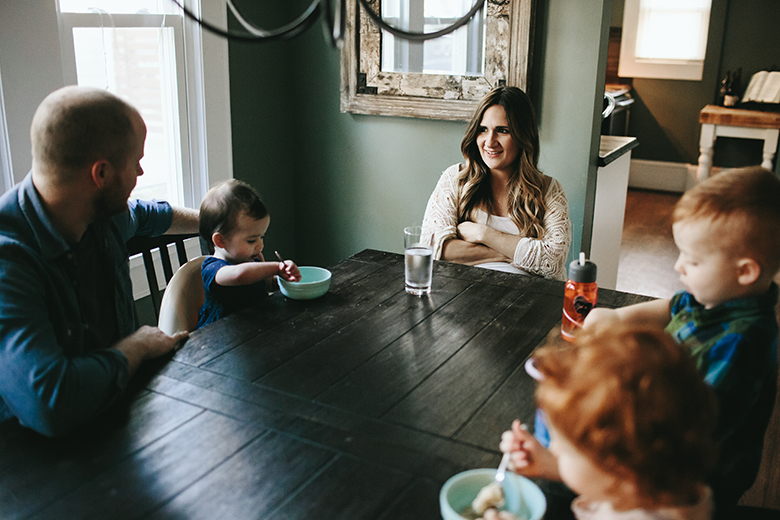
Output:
(110, 203)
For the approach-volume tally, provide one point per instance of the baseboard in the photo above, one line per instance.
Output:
(138, 272)
(662, 175)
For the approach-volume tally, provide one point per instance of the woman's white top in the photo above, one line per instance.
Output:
(505, 225)
(545, 256)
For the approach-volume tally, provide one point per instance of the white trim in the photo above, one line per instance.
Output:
(662, 175)
(217, 133)
(6, 169)
(138, 271)
(629, 66)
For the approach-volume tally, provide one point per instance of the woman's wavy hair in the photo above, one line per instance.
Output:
(527, 185)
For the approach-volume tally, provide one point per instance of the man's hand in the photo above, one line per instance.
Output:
(528, 456)
(148, 343)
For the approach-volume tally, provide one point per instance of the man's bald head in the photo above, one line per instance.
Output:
(76, 126)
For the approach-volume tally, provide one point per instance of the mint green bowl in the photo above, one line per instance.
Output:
(523, 498)
(314, 283)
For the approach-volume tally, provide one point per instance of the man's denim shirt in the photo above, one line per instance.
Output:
(49, 379)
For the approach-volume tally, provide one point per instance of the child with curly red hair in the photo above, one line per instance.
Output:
(631, 425)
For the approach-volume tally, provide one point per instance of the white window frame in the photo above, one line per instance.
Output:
(632, 67)
(6, 170)
(202, 82)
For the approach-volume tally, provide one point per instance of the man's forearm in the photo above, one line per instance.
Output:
(185, 220)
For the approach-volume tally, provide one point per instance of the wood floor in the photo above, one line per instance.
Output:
(647, 252)
(647, 256)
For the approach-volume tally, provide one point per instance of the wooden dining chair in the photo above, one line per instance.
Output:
(183, 298)
(144, 246)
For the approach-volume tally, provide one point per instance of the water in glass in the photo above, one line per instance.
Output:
(419, 268)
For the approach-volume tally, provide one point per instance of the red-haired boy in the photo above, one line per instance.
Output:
(630, 422)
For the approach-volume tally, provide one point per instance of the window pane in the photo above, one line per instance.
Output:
(138, 64)
(113, 6)
(458, 53)
(672, 29)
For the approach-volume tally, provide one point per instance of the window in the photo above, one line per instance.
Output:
(147, 53)
(664, 39)
(459, 53)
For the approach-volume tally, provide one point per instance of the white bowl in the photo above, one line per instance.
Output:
(523, 497)
(314, 283)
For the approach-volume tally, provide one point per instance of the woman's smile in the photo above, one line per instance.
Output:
(495, 143)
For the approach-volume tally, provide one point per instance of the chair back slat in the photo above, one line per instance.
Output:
(144, 246)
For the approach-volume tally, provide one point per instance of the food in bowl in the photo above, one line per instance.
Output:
(491, 514)
(522, 497)
(314, 282)
(488, 505)
(489, 496)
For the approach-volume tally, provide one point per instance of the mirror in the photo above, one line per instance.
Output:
(442, 78)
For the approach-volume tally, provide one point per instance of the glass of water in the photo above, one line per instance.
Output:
(418, 259)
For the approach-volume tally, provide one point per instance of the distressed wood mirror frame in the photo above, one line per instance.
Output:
(365, 89)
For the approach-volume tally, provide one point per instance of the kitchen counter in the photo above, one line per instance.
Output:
(610, 205)
(613, 147)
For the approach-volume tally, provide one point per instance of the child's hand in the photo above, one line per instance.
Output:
(289, 271)
(601, 317)
(528, 456)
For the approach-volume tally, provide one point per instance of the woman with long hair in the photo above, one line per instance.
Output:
(498, 210)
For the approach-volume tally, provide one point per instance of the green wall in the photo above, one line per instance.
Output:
(339, 183)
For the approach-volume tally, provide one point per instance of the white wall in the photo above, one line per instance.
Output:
(30, 68)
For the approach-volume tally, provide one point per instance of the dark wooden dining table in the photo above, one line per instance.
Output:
(356, 405)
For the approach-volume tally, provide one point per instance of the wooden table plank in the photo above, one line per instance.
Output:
(251, 483)
(270, 349)
(34, 466)
(513, 400)
(379, 384)
(348, 489)
(409, 450)
(225, 334)
(139, 485)
(450, 396)
(315, 370)
(420, 500)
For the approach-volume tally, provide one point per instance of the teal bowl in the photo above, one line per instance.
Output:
(314, 283)
(523, 498)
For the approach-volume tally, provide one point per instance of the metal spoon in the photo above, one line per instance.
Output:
(501, 473)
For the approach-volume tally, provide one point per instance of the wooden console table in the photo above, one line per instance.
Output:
(734, 122)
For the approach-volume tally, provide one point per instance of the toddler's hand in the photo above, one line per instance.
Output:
(289, 271)
(528, 456)
(601, 317)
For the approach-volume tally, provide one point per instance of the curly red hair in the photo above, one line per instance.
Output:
(633, 403)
